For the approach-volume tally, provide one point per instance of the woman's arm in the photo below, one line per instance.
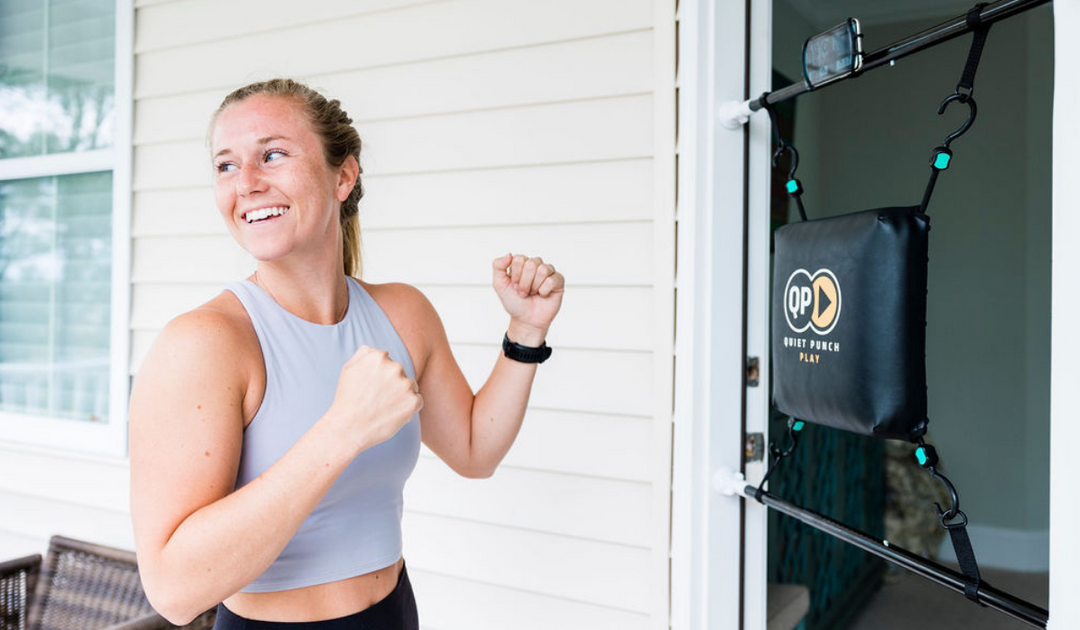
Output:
(471, 433)
(198, 541)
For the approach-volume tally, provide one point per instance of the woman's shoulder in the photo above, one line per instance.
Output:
(412, 316)
(220, 327)
(402, 302)
(209, 349)
(395, 293)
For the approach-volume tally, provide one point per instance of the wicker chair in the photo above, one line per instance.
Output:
(80, 586)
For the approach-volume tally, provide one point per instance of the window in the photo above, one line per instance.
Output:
(64, 197)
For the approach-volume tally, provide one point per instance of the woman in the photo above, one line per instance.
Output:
(296, 399)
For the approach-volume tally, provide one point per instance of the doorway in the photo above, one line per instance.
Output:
(865, 143)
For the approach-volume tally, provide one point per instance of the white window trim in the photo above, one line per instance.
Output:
(108, 439)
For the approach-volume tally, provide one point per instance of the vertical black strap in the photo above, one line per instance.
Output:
(965, 557)
(793, 185)
(929, 190)
(974, 22)
(794, 428)
(771, 109)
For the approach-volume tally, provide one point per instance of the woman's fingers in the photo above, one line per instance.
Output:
(544, 271)
(516, 264)
(528, 275)
(554, 282)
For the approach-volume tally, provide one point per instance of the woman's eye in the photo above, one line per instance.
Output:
(274, 155)
(225, 167)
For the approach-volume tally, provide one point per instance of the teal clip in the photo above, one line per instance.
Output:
(941, 159)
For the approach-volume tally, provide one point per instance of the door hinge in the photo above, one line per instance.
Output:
(755, 447)
(753, 371)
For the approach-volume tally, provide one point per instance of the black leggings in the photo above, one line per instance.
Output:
(397, 611)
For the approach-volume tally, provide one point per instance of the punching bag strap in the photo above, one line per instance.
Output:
(965, 555)
(942, 155)
(974, 22)
(793, 186)
(777, 455)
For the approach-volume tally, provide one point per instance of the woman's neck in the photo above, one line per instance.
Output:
(319, 295)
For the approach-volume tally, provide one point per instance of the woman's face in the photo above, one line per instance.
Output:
(276, 192)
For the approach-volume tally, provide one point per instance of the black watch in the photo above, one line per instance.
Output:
(525, 354)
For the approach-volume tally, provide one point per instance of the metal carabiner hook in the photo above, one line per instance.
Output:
(974, 110)
(784, 148)
(954, 509)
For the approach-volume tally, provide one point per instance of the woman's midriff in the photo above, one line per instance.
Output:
(319, 602)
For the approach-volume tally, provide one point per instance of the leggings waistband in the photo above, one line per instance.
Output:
(397, 611)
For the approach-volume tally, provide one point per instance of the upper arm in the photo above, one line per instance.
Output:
(446, 419)
(185, 424)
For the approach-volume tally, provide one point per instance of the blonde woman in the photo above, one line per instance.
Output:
(273, 428)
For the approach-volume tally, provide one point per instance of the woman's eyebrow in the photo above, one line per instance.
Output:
(266, 140)
(269, 139)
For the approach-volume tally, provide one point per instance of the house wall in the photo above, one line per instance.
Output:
(489, 126)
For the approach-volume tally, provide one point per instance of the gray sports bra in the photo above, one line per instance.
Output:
(356, 528)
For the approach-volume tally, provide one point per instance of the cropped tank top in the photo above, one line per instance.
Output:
(356, 528)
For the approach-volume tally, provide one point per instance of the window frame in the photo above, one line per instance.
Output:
(107, 439)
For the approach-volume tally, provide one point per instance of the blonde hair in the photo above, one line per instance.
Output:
(339, 140)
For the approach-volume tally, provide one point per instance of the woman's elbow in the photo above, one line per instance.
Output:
(474, 470)
(169, 601)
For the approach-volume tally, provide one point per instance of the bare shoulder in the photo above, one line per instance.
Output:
(412, 316)
(219, 328)
(397, 296)
(213, 343)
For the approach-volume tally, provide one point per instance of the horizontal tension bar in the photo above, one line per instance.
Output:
(735, 113)
(999, 600)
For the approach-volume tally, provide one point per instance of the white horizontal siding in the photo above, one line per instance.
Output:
(548, 564)
(605, 66)
(415, 33)
(38, 518)
(610, 446)
(170, 24)
(459, 604)
(572, 382)
(591, 508)
(43, 493)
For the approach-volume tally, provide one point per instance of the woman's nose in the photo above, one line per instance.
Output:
(249, 180)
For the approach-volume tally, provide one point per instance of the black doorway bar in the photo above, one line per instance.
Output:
(736, 114)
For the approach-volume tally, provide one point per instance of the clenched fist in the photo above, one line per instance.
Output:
(374, 398)
(531, 291)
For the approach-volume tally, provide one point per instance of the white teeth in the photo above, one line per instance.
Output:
(262, 213)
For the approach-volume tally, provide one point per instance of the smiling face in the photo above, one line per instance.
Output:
(273, 186)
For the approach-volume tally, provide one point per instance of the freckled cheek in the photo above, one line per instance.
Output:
(224, 200)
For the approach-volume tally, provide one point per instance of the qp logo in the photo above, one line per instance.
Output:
(812, 301)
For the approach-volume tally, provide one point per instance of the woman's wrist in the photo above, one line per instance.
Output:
(525, 334)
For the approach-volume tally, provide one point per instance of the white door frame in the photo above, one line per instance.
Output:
(718, 542)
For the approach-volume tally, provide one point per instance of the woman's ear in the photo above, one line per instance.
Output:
(347, 174)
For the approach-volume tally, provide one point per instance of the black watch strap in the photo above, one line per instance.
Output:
(525, 354)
